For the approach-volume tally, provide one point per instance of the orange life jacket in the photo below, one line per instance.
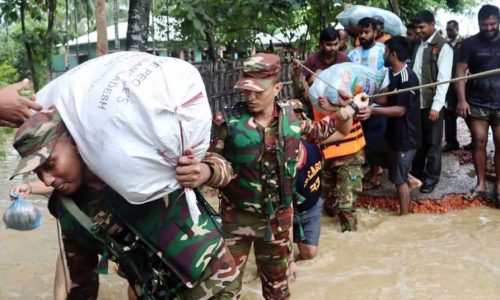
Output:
(351, 144)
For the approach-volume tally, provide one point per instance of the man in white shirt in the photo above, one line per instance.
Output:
(433, 62)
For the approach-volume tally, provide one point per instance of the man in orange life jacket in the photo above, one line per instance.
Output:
(342, 166)
(342, 172)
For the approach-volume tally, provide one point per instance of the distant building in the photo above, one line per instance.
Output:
(83, 48)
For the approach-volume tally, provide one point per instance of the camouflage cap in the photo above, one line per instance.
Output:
(35, 139)
(259, 72)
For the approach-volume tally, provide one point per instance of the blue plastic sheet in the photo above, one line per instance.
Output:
(22, 215)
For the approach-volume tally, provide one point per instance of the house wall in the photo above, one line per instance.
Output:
(59, 66)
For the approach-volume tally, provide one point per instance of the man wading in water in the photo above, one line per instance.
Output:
(260, 139)
(96, 220)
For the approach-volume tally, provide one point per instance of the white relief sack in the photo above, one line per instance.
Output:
(131, 115)
(350, 17)
(352, 77)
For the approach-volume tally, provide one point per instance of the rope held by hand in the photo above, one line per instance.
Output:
(466, 77)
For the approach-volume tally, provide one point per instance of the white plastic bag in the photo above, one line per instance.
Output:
(22, 215)
(132, 114)
(352, 77)
(350, 17)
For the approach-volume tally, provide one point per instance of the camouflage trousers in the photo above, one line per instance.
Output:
(213, 284)
(340, 188)
(216, 280)
(272, 257)
(82, 250)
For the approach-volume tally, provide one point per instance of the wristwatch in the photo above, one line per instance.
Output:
(355, 107)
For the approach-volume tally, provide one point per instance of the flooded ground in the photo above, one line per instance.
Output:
(420, 256)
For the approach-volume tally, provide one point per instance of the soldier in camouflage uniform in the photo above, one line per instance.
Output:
(162, 253)
(342, 183)
(260, 139)
(341, 177)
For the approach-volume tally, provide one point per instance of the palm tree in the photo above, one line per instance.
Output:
(100, 18)
(115, 21)
(28, 46)
(138, 22)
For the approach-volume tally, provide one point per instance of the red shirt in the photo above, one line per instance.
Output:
(316, 62)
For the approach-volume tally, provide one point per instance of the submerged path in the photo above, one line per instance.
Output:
(457, 177)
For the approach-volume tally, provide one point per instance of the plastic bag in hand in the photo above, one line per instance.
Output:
(351, 77)
(22, 215)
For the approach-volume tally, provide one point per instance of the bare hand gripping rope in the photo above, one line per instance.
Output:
(472, 76)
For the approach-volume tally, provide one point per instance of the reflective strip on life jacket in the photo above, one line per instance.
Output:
(351, 144)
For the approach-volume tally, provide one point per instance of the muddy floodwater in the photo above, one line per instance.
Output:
(448, 256)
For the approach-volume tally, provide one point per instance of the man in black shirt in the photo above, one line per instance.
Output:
(479, 99)
(403, 133)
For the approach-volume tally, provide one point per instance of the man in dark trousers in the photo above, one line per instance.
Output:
(403, 134)
(450, 114)
(433, 61)
(479, 99)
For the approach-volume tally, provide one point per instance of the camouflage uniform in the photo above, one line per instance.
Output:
(255, 206)
(341, 184)
(341, 178)
(82, 249)
(162, 253)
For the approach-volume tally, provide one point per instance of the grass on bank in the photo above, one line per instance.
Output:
(5, 133)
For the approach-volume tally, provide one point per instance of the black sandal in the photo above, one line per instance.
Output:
(473, 194)
(427, 188)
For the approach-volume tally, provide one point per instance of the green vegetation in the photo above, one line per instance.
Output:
(31, 30)
(5, 133)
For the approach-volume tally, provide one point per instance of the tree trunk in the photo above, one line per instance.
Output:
(100, 24)
(115, 21)
(209, 35)
(77, 50)
(9, 54)
(87, 13)
(27, 46)
(304, 45)
(66, 29)
(49, 38)
(321, 14)
(138, 25)
(395, 7)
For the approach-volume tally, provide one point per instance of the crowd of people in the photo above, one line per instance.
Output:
(293, 162)
(408, 126)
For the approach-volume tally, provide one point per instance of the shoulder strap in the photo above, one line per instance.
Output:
(94, 229)
(142, 275)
